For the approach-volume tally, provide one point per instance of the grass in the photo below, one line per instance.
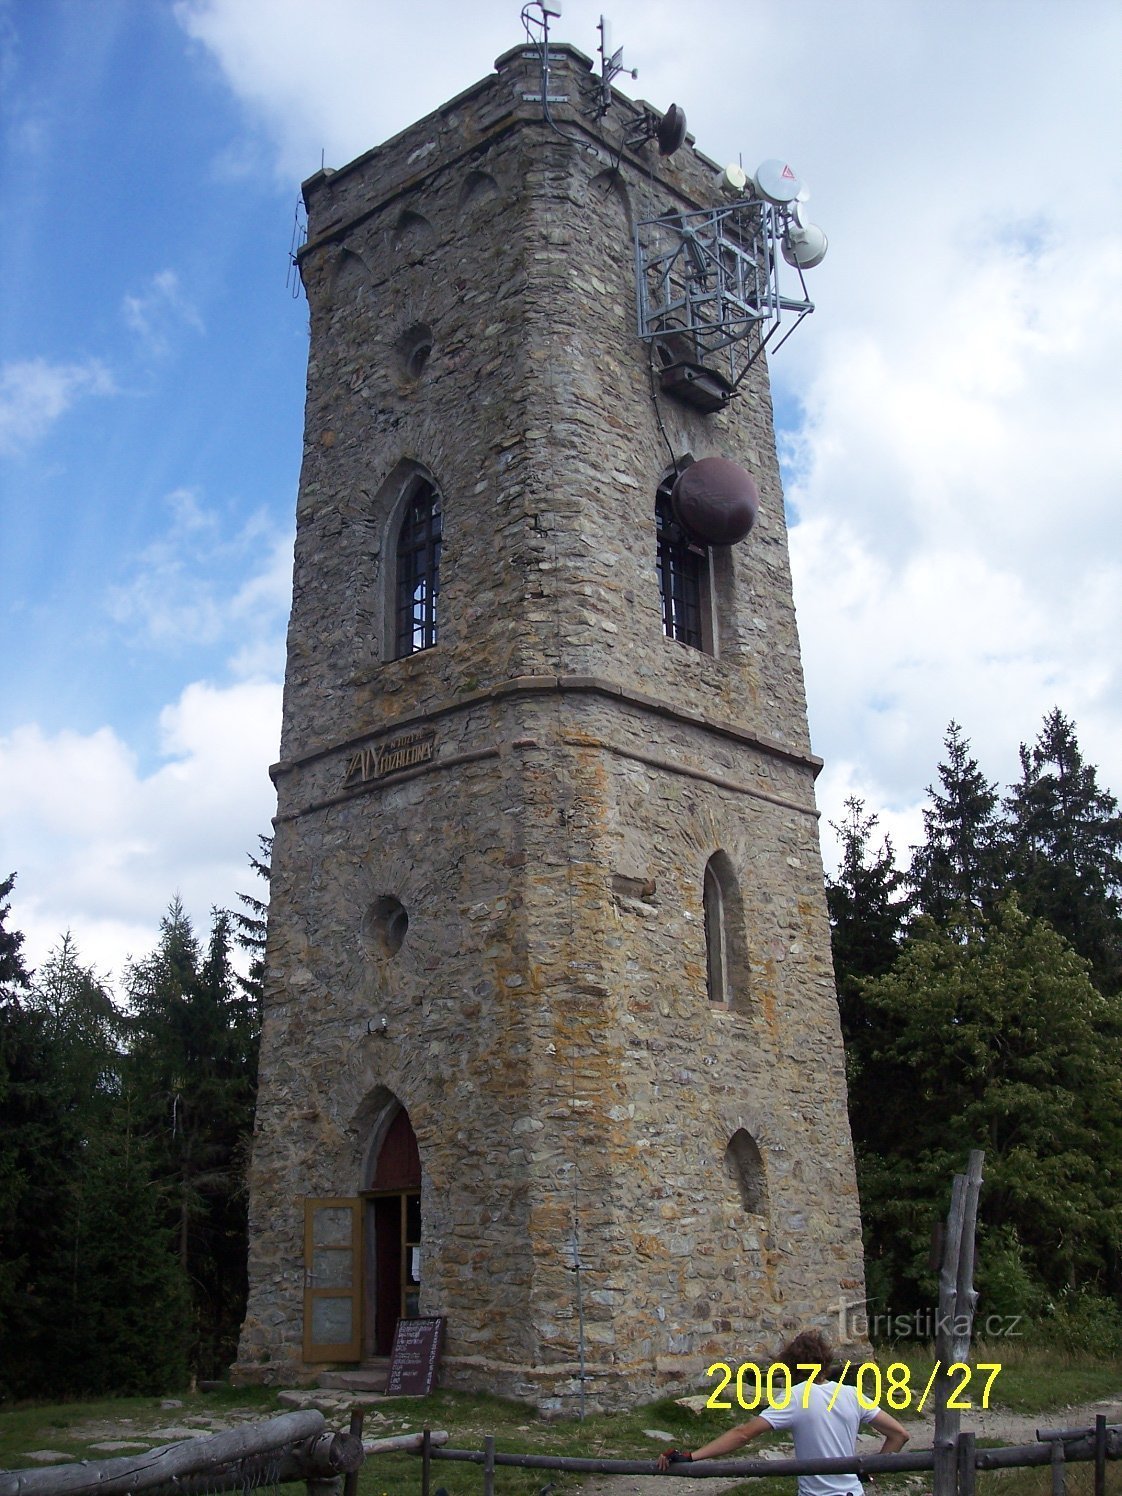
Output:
(1031, 1381)
(72, 1427)
(1080, 1481)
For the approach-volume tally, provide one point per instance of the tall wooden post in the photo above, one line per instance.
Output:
(957, 1300)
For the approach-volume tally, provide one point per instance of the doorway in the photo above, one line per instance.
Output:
(392, 1237)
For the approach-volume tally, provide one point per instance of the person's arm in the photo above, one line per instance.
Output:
(895, 1434)
(725, 1443)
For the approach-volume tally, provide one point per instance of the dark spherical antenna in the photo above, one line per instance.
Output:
(672, 131)
(669, 131)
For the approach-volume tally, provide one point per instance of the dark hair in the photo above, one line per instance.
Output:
(809, 1347)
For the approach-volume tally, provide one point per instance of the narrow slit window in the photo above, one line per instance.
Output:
(727, 972)
(418, 571)
(716, 951)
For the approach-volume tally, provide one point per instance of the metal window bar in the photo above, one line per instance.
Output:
(418, 571)
(680, 575)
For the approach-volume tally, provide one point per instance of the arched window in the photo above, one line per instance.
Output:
(683, 578)
(745, 1167)
(716, 937)
(418, 571)
(726, 952)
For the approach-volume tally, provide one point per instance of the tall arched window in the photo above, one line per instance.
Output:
(683, 577)
(726, 950)
(418, 571)
(716, 937)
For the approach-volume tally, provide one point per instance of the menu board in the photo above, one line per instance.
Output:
(415, 1356)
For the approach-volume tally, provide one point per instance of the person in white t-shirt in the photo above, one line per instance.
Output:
(826, 1428)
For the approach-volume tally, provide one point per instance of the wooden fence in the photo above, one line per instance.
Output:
(1057, 1448)
(298, 1447)
(293, 1447)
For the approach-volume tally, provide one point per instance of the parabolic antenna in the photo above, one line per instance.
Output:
(716, 501)
(734, 177)
(672, 131)
(804, 244)
(777, 182)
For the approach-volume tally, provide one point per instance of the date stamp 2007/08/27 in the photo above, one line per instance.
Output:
(756, 1389)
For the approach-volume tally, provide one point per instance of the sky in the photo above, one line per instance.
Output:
(949, 417)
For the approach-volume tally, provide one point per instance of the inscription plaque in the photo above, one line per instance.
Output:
(386, 758)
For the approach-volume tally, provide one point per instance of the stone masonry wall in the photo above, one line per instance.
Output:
(545, 1021)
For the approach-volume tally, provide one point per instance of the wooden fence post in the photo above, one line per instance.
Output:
(1100, 1454)
(426, 1462)
(489, 1465)
(967, 1468)
(350, 1485)
(1059, 1480)
(955, 1321)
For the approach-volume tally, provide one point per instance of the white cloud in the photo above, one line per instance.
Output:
(100, 848)
(956, 466)
(198, 586)
(355, 74)
(34, 393)
(158, 312)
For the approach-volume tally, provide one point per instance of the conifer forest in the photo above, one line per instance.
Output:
(979, 979)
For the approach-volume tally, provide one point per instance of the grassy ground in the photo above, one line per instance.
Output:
(72, 1427)
(1080, 1481)
(1030, 1381)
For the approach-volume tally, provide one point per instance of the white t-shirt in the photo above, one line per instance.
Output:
(822, 1432)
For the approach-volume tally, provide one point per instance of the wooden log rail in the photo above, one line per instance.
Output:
(1078, 1445)
(295, 1446)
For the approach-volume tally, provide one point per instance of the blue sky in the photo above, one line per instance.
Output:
(949, 415)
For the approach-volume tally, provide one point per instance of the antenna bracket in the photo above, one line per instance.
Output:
(709, 296)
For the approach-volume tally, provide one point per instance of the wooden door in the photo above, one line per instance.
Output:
(332, 1280)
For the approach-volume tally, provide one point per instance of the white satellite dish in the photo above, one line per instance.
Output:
(804, 244)
(777, 182)
(734, 177)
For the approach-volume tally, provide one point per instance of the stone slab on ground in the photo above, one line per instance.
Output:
(331, 1403)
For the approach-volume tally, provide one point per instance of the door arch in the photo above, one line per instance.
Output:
(392, 1235)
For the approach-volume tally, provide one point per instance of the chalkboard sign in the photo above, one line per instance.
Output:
(415, 1356)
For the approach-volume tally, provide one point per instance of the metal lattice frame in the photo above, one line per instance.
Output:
(708, 285)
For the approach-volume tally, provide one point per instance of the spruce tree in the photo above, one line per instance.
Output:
(1066, 848)
(992, 1035)
(251, 924)
(866, 908)
(17, 1040)
(957, 870)
(191, 1074)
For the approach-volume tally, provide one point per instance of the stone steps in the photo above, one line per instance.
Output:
(369, 1377)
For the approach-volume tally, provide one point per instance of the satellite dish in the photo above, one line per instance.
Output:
(804, 244)
(777, 182)
(672, 131)
(716, 501)
(734, 177)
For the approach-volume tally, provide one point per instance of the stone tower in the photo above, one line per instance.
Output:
(551, 1045)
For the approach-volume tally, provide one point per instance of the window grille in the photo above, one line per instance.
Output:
(418, 571)
(682, 571)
